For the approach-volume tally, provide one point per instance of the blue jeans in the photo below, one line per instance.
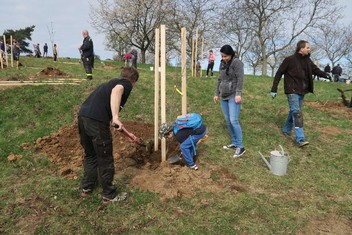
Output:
(231, 112)
(188, 147)
(295, 102)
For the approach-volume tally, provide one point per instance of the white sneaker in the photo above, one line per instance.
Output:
(229, 146)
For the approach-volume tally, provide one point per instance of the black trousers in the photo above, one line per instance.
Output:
(98, 161)
(88, 63)
(210, 67)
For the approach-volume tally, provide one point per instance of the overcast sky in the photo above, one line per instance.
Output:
(69, 18)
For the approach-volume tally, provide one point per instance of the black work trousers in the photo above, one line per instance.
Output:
(88, 63)
(98, 161)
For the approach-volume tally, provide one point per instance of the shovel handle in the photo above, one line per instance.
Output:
(129, 135)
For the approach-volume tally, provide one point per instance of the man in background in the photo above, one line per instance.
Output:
(87, 54)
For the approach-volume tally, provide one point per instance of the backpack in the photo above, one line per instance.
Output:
(189, 120)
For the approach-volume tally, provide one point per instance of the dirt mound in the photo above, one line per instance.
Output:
(333, 107)
(51, 72)
(142, 166)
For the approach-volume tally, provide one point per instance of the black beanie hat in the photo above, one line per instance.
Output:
(227, 49)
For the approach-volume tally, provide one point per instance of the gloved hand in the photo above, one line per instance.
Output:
(273, 94)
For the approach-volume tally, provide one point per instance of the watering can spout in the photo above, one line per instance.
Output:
(266, 162)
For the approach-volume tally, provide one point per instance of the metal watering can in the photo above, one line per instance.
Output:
(278, 162)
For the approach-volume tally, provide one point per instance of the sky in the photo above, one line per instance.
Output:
(68, 18)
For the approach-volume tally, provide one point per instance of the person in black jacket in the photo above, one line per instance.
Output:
(87, 54)
(336, 72)
(98, 111)
(297, 70)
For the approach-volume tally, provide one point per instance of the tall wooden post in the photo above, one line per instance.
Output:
(184, 70)
(192, 59)
(196, 53)
(11, 51)
(1, 62)
(163, 87)
(202, 56)
(156, 91)
(5, 52)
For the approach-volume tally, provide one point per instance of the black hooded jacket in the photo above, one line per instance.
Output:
(297, 70)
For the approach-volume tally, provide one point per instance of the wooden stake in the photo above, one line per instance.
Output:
(1, 62)
(184, 70)
(192, 59)
(163, 87)
(5, 52)
(11, 51)
(202, 56)
(156, 91)
(196, 53)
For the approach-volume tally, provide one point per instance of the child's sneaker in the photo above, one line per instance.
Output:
(239, 152)
(120, 197)
(194, 167)
(229, 146)
(86, 192)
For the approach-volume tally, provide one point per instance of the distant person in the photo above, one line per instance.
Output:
(87, 54)
(336, 72)
(297, 70)
(45, 50)
(37, 50)
(211, 60)
(55, 52)
(16, 52)
(2, 49)
(96, 115)
(327, 70)
(134, 54)
(229, 90)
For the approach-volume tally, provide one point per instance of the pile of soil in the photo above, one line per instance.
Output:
(141, 165)
(51, 72)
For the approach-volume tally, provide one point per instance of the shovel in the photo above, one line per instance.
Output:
(130, 135)
(175, 158)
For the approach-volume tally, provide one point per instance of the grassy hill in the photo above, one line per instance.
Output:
(315, 196)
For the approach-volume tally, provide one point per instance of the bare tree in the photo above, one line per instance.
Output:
(289, 19)
(194, 15)
(130, 22)
(334, 41)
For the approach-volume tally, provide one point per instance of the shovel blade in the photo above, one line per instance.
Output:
(173, 159)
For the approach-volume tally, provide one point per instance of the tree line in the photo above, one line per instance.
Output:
(261, 31)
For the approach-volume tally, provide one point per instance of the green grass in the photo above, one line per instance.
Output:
(36, 200)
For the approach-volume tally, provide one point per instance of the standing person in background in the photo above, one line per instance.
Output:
(45, 50)
(229, 90)
(16, 52)
(97, 113)
(55, 52)
(211, 61)
(134, 54)
(298, 70)
(87, 54)
(327, 70)
(336, 72)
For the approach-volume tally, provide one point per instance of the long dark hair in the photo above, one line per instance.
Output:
(227, 49)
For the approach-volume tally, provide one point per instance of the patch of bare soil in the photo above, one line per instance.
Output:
(337, 109)
(141, 165)
(51, 72)
(332, 225)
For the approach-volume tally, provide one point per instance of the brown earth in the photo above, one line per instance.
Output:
(141, 165)
(51, 72)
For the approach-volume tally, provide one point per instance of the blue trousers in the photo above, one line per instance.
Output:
(188, 148)
(295, 102)
(231, 112)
